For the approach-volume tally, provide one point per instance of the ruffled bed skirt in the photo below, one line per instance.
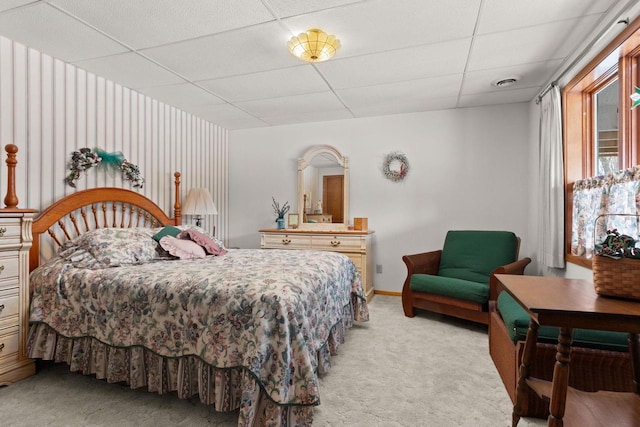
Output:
(226, 389)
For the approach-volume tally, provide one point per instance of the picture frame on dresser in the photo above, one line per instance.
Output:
(293, 220)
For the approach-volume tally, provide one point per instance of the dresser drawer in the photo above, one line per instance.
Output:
(357, 260)
(9, 232)
(9, 268)
(9, 344)
(9, 307)
(338, 243)
(285, 241)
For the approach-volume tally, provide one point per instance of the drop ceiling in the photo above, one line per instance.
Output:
(227, 62)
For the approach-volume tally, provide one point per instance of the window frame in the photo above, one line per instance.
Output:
(621, 59)
(592, 119)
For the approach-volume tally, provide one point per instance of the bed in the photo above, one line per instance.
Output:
(248, 330)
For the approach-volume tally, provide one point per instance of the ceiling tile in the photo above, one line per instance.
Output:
(181, 95)
(144, 23)
(10, 4)
(503, 15)
(434, 87)
(219, 113)
(250, 123)
(404, 107)
(290, 105)
(317, 116)
(392, 66)
(375, 26)
(529, 75)
(268, 84)
(529, 45)
(130, 70)
(505, 97)
(285, 8)
(248, 50)
(50, 31)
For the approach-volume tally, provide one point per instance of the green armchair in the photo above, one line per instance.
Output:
(459, 279)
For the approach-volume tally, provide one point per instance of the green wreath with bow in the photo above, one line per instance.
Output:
(86, 158)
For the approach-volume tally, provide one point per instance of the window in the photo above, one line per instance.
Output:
(601, 131)
(605, 136)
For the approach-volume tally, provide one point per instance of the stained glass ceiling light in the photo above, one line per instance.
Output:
(314, 45)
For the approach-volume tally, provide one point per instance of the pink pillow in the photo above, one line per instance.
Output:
(209, 244)
(183, 249)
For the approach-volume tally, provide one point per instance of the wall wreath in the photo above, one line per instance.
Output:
(395, 166)
(86, 158)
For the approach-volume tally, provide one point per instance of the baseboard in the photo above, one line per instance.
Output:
(390, 293)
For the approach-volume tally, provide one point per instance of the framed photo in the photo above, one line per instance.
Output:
(293, 220)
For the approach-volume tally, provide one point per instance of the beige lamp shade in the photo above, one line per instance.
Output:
(199, 203)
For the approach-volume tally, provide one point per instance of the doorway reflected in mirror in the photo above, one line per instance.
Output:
(323, 179)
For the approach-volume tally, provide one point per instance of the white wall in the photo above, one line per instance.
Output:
(469, 170)
(49, 108)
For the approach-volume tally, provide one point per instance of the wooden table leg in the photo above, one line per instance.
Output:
(560, 379)
(520, 406)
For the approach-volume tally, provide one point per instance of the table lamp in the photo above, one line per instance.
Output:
(199, 202)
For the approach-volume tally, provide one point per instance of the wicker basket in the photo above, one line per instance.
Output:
(616, 277)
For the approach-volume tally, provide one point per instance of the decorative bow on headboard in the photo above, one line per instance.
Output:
(86, 158)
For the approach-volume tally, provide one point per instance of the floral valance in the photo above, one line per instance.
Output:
(604, 203)
(617, 177)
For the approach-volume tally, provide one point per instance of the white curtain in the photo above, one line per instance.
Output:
(551, 182)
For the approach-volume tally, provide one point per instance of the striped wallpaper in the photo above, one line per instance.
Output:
(49, 108)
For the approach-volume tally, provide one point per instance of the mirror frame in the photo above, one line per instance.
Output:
(302, 165)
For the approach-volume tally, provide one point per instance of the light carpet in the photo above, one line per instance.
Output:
(392, 371)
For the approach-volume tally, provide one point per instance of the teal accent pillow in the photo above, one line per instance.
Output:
(169, 230)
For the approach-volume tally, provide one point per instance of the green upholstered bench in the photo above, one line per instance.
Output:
(517, 321)
(599, 360)
(457, 279)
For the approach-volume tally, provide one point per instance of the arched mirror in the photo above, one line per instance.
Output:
(323, 189)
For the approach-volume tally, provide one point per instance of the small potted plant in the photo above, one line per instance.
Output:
(280, 212)
(617, 246)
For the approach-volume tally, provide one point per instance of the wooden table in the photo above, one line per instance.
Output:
(570, 304)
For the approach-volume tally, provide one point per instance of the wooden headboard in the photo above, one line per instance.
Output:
(106, 207)
(82, 211)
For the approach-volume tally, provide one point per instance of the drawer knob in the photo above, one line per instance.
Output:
(335, 243)
(2, 231)
(1, 347)
(1, 308)
(286, 241)
(1, 268)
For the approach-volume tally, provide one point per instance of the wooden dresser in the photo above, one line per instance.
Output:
(355, 244)
(15, 241)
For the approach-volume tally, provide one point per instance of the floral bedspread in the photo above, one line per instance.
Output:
(268, 311)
